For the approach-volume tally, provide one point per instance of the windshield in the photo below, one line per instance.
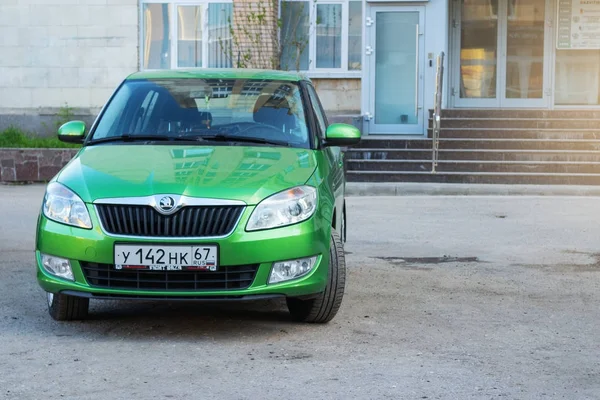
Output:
(189, 108)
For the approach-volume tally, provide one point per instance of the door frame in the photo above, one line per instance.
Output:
(501, 101)
(368, 92)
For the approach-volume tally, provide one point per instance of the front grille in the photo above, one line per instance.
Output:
(226, 278)
(191, 221)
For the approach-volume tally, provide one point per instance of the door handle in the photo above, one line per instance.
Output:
(417, 74)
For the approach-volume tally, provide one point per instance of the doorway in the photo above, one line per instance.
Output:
(394, 69)
(502, 55)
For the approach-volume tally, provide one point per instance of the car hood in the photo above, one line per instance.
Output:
(245, 173)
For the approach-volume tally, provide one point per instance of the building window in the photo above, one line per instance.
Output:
(295, 17)
(329, 36)
(157, 36)
(179, 36)
(323, 36)
(189, 36)
(354, 35)
(577, 77)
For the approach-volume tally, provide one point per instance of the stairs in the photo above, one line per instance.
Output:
(489, 146)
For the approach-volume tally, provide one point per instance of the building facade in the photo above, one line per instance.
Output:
(373, 60)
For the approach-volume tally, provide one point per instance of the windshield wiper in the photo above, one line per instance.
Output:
(235, 138)
(133, 138)
(190, 139)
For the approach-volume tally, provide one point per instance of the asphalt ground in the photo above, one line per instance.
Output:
(448, 297)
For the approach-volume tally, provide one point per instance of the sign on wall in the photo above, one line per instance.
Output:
(578, 24)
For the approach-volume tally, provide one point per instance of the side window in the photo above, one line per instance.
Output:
(318, 110)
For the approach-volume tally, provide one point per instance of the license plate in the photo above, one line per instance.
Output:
(166, 258)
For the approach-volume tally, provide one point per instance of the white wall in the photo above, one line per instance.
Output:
(339, 95)
(54, 52)
(436, 41)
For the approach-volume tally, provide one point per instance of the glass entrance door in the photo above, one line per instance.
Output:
(501, 58)
(395, 70)
(525, 28)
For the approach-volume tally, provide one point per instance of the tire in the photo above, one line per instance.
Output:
(325, 306)
(63, 307)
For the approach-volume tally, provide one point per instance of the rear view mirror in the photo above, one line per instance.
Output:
(341, 135)
(72, 132)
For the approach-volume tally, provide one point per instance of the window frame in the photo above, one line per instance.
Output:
(313, 71)
(173, 32)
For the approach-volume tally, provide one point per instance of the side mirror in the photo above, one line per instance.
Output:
(72, 132)
(341, 135)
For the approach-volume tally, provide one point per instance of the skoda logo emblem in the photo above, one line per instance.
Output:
(166, 204)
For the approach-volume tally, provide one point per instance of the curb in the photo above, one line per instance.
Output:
(470, 189)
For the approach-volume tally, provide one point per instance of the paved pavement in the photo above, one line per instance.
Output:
(448, 297)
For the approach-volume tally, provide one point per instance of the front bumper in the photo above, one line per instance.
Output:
(309, 238)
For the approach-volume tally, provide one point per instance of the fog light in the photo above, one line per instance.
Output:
(292, 269)
(57, 266)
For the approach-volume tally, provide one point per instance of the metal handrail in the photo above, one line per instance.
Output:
(437, 111)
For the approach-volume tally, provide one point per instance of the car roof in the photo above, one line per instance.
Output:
(218, 73)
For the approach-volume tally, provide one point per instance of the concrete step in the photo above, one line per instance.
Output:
(523, 144)
(473, 177)
(488, 143)
(477, 154)
(394, 143)
(538, 153)
(519, 113)
(383, 154)
(521, 123)
(501, 133)
(476, 166)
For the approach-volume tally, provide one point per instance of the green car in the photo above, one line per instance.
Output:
(210, 185)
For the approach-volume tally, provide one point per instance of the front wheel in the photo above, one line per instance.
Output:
(63, 307)
(325, 306)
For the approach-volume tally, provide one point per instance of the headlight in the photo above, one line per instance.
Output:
(286, 208)
(64, 206)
